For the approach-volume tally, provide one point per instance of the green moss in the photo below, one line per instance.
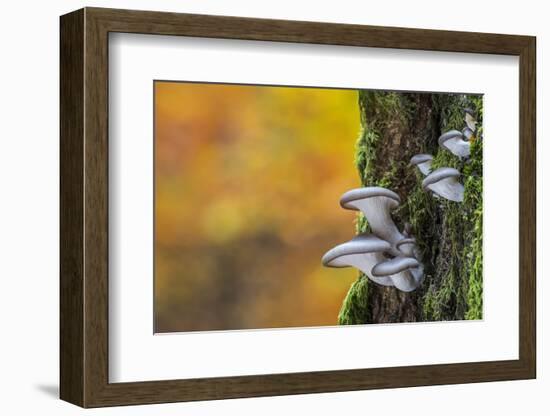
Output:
(365, 153)
(450, 109)
(383, 105)
(473, 251)
(361, 225)
(355, 306)
(388, 177)
(420, 209)
(475, 273)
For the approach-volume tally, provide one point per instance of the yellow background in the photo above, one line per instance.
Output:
(247, 184)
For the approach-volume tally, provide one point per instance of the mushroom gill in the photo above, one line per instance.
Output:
(405, 272)
(444, 182)
(362, 252)
(423, 162)
(453, 141)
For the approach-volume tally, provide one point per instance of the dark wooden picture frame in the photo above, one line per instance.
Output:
(84, 207)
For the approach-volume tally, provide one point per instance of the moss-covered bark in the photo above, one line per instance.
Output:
(395, 127)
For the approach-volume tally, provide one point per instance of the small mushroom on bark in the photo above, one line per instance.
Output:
(470, 118)
(376, 203)
(362, 252)
(407, 229)
(454, 143)
(405, 272)
(444, 182)
(423, 162)
(468, 133)
(407, 246)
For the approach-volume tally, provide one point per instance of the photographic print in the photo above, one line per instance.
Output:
(225, 229)
(280, 207)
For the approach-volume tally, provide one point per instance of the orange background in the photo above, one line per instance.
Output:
(247, 184)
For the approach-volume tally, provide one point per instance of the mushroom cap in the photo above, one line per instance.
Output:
(394, 266)
(368, 192)
(454, 142)
(452, 134)
(438, 175)
(470, 111)
(360, 244)
(404, 242)
(470, 120)
(467, 132)
(421, 158)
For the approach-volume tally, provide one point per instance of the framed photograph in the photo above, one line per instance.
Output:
(255, 207)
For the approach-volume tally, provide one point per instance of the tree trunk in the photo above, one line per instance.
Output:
(395, 127)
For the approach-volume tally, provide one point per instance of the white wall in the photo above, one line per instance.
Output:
(29, 206)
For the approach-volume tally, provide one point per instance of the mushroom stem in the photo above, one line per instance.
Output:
(376, 203)
(400, 271)
(407, 247)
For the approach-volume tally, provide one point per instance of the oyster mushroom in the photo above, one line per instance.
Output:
(444, 182)
(468, 133)
(470, 118)
(423, 162)
(376, 203)
(406, 273)
(407, 246)
(454, 143)
(362, 252)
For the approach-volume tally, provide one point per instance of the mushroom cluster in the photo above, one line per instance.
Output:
(443, 182)
(390, 257)
(387, 256)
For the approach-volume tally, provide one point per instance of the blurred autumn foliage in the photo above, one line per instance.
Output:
(247, 183)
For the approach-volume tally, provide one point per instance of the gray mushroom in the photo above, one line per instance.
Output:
(470, 119)
(376, 203)
(423, 162)
(407, 246)
(454, 143)
(362, 252)
(400, 270)
(468, 133)
(444, 182)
